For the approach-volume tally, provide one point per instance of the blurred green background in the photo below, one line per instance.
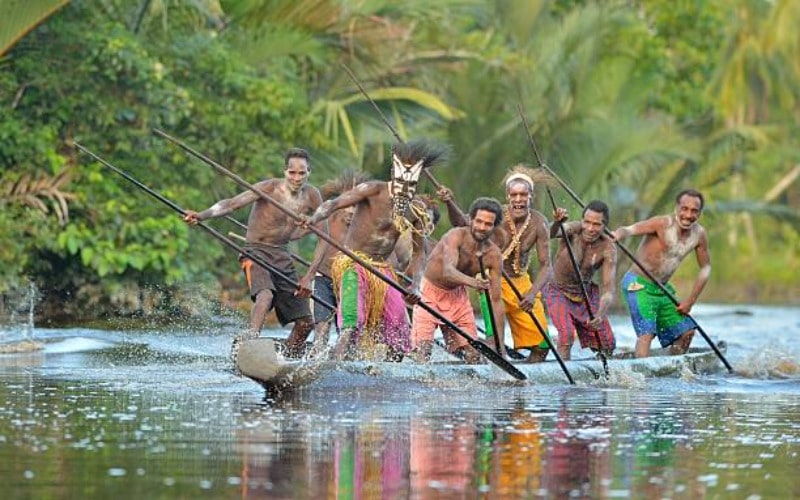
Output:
(629, 101)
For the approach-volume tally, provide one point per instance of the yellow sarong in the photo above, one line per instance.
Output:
(524, 331)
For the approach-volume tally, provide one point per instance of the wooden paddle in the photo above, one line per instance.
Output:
(252, 256)
(476, 344)
(489, 307)
(633, 258)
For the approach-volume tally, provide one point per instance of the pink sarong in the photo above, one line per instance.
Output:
(454, 305)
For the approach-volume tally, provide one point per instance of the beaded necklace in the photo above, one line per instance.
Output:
(514, 246)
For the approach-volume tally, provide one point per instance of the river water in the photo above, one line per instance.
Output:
(157, 413)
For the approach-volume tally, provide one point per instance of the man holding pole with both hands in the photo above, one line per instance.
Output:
(668, 239)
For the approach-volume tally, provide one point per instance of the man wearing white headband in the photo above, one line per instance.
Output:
(522, 230)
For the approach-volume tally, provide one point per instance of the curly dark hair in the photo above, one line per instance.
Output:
(489, 205)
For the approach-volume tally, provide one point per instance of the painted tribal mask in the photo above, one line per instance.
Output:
(408, 161)
(403, 186)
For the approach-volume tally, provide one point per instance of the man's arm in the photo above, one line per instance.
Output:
(456, 216)
(451, 242)
(569, 227)
(649, 226)
(304, 289)
(224, 207)
(543, 256)
(704, 261)
(416, 267)
(313, 203)
(609, 270)
(348, 199)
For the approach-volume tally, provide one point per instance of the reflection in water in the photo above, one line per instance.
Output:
(442, 456)
(515, 468)
(578, 454)
(73, 439)
(152, 416)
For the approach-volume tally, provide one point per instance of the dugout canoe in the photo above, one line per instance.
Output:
(260, 361)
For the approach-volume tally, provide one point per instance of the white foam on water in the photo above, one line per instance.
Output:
(76, 344)
(769, 363)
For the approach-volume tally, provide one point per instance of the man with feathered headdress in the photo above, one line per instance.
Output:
(370, 313)
(522, 230)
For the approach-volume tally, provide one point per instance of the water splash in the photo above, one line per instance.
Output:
(769, 363)
(17, 319)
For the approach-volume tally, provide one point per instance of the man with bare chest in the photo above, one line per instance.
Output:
(370, 313)
(336, 226)
(269, 231)
(523, 230)
(668, 239)
(451, 268)
(563, 295)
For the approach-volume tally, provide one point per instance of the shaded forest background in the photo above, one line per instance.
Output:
(629, 100)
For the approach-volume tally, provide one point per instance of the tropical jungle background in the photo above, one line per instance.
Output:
(629, 101)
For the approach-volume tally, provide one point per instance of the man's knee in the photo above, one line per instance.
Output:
(304, 323)
(264, 297)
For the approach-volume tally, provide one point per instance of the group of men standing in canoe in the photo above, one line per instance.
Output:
(387, 225)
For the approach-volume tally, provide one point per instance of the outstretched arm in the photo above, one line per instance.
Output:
(348, 199)
(224, 207)
(649, 226)
(704, 261)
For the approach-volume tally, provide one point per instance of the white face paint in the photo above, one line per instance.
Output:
(405, 177)
(403, 185)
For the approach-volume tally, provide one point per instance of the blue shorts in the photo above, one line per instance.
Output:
(652, 311)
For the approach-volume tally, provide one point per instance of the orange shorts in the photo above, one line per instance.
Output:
(454, 305)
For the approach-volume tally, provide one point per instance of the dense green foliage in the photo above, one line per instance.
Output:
(629, 101)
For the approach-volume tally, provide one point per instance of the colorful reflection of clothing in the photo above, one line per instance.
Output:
(441, 463)
(519, 458)
(369, 305)
(371, 464)
(524, 331)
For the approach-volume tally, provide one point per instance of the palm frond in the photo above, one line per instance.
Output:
(19, 17)
(33, 191)
(780, 212)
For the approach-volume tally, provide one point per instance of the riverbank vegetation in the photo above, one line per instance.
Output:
(629, 101)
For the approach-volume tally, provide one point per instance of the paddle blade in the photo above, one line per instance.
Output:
(495, 358)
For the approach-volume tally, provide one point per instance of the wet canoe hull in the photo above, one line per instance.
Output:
(259, 361)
